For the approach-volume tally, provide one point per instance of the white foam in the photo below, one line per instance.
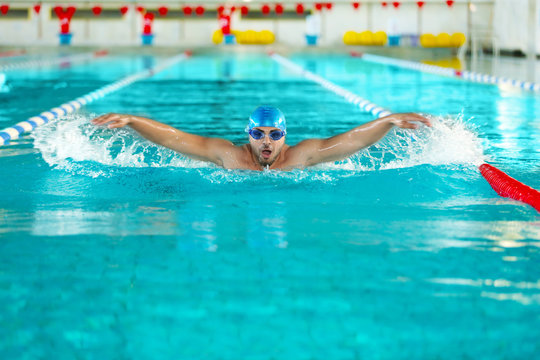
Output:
(72, 139)
(450, 141)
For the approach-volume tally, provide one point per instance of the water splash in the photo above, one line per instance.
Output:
(450, 141)
(73, 139)
(72, 143)
(4, 84)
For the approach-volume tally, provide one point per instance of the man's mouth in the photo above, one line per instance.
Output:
(266, 153)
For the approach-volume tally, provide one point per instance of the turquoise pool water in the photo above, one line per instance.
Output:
(112, 247)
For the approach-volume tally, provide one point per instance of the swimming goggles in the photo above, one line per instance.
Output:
(274, 134)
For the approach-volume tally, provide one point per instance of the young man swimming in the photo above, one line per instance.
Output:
(266, 148)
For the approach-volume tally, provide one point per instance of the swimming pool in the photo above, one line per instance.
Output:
(114, 248)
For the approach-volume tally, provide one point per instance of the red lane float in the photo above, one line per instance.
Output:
(101, 53)
(506, 186)
(9, 53)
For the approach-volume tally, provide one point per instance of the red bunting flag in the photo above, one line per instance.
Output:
(396, 4)
(449, 3)
(163, 10)
(4, 9)
(420, 3)
(65, 14)
(140, 9)
(329, 6)
(187, 10)
(384, 4)
(244, 10)
(299, 9)
(147, 23)
(37, 8)
(279, 9)
(124, 10)
(65, 17)
(199, 10)
(265, 9)
(97, 10)
(356, 5)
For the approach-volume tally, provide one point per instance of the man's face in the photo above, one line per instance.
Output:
(265, 149)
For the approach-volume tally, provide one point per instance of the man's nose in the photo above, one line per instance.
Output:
(266, 139)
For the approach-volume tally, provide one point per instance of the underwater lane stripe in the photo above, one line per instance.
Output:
(462, 74)
(55, 61)
(502, 183)
(361, 103)
(10, 53)
(13, 132)
(508, 187)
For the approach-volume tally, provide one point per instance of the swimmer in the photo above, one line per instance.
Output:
(266, 148)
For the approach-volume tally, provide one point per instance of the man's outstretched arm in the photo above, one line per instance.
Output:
(194, 146)
(341, 146)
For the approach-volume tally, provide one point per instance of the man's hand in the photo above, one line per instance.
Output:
(407, 120)
(114, 120)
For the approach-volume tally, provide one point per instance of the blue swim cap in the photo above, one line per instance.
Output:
(267, 116)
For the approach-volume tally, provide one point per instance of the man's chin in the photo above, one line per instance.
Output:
(266, 162)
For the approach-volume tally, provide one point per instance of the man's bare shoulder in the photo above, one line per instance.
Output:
(237, 157)
(305, 145)
(231, 150)
(301, 153)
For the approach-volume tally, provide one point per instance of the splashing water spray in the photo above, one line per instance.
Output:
(503, 184)
(448, 141)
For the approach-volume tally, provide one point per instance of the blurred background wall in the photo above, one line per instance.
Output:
(510, 25)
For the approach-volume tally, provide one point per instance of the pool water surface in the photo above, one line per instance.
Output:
(112, 247)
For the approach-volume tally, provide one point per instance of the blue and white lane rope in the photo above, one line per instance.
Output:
(54, 61)
(363, 104)
(466, 75)
(30, 124)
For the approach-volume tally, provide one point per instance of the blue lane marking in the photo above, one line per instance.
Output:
(5, 136)
(19, 128)
(95, 95)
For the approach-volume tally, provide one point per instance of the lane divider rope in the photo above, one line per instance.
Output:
(30, 124)
(502, 183)
(363, 104)
(53, 61)
(508, 187)
(439, 70)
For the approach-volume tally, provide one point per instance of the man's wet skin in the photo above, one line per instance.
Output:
(265, 150)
